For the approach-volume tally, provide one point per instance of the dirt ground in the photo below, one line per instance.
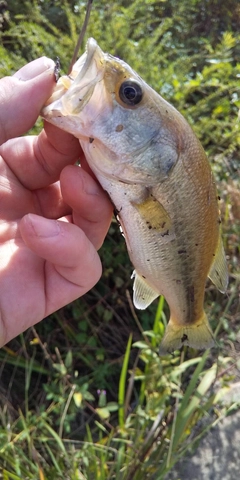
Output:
(218, 454)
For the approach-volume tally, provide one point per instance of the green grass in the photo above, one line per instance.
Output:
(162, 407)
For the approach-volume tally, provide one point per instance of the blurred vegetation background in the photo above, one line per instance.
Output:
(84, 394)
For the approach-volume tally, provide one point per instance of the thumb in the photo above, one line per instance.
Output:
(23, 95)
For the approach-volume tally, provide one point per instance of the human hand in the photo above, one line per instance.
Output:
(53, 214)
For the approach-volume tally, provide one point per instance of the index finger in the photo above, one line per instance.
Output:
(37, 161)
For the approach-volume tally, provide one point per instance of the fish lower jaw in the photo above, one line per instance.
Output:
(72, 126)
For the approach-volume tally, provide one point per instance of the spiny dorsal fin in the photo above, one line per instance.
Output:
(218, 271)
(143, 294)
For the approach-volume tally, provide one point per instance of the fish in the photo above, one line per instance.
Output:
(147, 157)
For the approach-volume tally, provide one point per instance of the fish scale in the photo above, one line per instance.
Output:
(146, 156)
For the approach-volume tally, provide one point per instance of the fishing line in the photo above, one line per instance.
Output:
(81, 35)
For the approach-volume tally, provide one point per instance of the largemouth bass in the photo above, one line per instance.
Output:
(146, 156)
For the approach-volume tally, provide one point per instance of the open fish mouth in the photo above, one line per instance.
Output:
(72, 92)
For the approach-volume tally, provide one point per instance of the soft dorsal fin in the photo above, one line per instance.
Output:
(143, 294)
(218, 272)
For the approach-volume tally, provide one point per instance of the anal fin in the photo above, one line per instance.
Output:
(143, 294)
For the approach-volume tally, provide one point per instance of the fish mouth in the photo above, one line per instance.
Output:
(72, 92)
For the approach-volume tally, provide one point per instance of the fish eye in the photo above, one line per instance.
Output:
(130, 92)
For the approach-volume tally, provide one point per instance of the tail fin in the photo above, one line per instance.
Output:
(198, 335)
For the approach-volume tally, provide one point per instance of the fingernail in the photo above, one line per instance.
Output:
(43, 227)
(90, 186)
(34, 68)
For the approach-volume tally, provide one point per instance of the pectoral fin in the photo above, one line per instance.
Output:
(143, 294)
(218, 271)
(155, 216)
